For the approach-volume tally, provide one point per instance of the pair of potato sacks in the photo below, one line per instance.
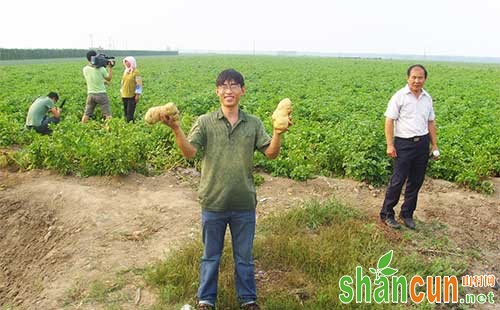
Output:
(280, 117)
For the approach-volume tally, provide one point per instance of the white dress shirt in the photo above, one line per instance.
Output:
(411, 114)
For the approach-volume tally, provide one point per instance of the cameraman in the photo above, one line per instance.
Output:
(96, 79)
(37, 118)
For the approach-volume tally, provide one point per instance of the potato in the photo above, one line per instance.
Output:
(281, 116)
(169, 109)
(153, 114)
(285, 105)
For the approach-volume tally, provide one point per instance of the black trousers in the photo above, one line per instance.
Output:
(409, 166)
(129, 108)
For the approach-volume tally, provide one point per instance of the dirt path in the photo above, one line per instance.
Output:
(58, 234)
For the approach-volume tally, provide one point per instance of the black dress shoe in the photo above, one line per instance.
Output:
(408, 221)
(391, 223)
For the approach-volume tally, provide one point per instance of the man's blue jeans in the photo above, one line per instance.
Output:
(242, 227)
(44, 126)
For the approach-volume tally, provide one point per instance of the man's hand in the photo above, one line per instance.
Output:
(170, 121)
(136, 98)
(56, 112)
(435, 153)
(391, 151)
(282, 130)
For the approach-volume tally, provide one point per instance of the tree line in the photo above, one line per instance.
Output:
(15, 53)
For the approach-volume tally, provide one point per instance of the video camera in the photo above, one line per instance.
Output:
(101, 60)
(62, 104)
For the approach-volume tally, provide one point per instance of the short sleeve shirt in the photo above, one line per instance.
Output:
(38, 110)
(95, 79)
(411, 114)
(129, 83)
(227, 163)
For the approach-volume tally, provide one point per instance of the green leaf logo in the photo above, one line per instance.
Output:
(385, 260)
(383, 269)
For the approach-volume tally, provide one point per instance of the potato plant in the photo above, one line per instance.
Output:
(338, 107)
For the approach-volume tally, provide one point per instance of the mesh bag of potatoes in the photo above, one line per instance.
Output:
(153, 114)
(281, 116)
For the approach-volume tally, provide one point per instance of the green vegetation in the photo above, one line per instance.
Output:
(300, 257)
(109, 292)
(338, 116)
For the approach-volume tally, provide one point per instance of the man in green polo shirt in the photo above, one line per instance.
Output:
(96, 79)
(37, 117)
(228, 139)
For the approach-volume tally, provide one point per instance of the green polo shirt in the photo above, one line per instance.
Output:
(226, 169)
(95, 78)
(38, 110)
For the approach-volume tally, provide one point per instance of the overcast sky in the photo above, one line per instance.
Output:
(431, 27)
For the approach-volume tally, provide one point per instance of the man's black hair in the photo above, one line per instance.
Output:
(416, 66)
(53, 95)
(90, 54)
(230, 75)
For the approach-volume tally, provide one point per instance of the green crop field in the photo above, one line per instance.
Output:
(338, 116)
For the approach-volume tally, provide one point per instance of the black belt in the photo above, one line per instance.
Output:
(413, 139)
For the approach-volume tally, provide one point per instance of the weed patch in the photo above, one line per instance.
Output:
(300, 256)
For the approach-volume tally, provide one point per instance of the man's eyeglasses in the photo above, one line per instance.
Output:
(233, 87)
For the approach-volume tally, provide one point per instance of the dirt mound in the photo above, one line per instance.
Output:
(29, 239)
(64, 232)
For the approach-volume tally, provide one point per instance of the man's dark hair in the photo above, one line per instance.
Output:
(90, 54)
(230, 75)
(416, 66)
(53, 95)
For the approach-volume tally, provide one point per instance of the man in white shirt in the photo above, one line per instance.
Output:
(409, 128)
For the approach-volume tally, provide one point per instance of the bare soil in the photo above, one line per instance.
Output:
(61, 234)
